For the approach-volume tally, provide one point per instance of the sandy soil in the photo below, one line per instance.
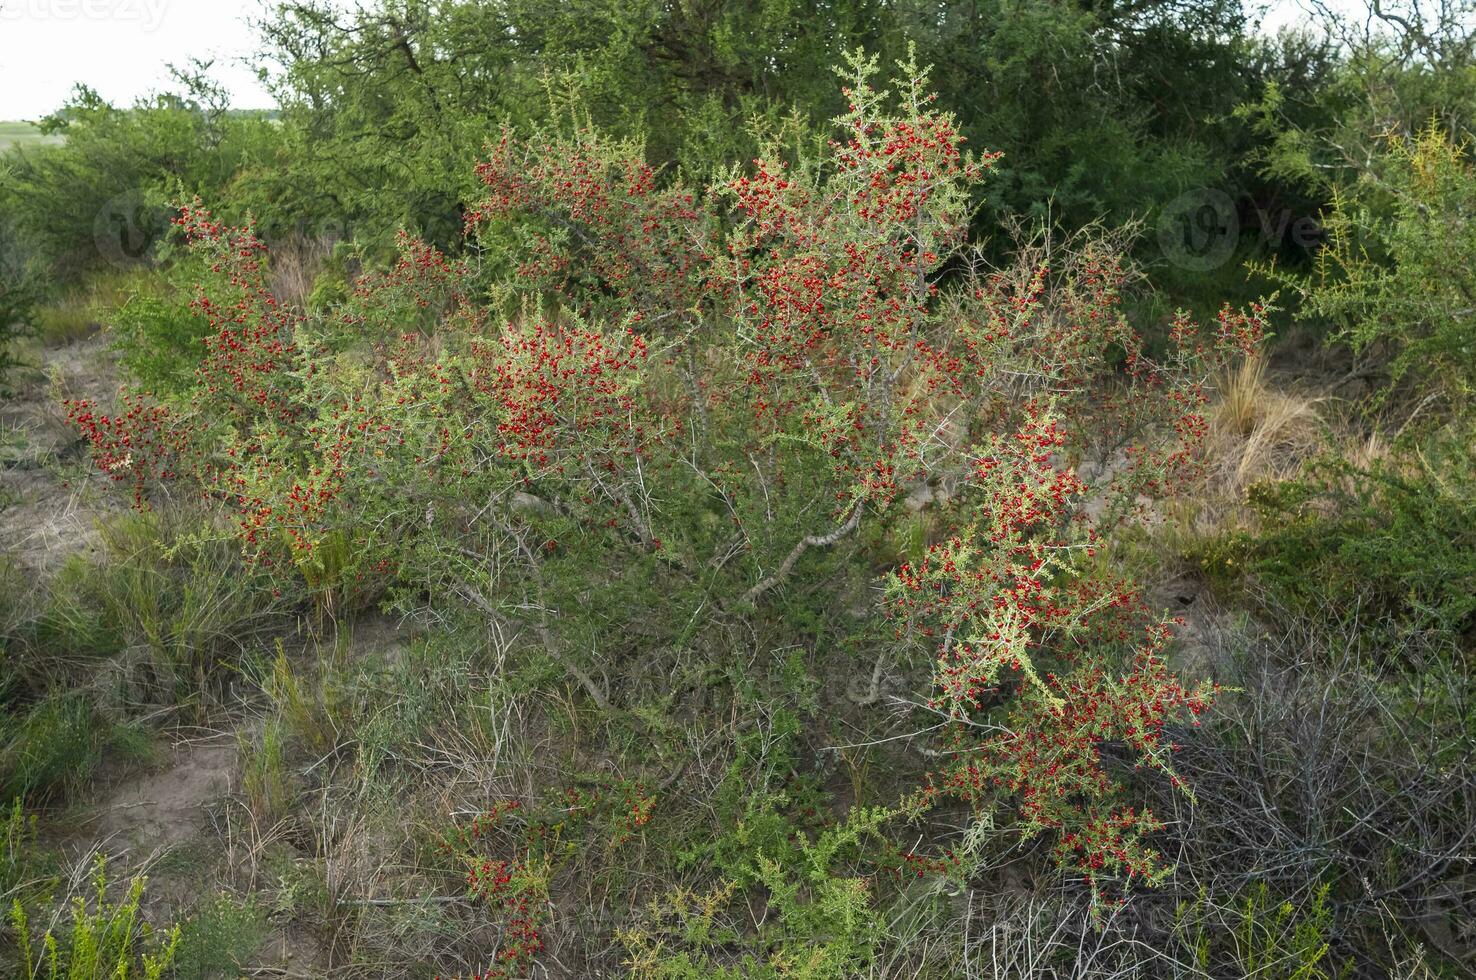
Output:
(48, 504)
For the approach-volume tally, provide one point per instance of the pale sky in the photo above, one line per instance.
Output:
(121, 47)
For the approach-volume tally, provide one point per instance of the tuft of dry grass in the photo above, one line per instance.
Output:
(1258, 432)
(296, 264)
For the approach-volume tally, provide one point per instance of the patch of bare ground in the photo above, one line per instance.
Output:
(1205, 641)
(146, 815)
(177, 823)
(48, 508)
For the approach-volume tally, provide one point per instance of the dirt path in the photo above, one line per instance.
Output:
(164, 809)
(46, 511)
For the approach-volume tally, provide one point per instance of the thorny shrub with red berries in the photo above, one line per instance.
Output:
(702, 397)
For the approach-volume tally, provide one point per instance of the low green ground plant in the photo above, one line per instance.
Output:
(105, 940)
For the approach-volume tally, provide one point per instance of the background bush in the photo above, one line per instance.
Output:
(608, 495)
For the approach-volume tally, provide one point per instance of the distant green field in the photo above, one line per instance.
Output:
(22, 133)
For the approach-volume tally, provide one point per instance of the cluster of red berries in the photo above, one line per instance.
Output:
(829, 343)
(142, 444)
(634, 242)
(911, 864)
(567, 395)
(1004, 600)
(509, 886)
(633, 812)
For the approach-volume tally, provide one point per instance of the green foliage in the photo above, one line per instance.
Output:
(437, 691)
(1396, 275)
(265, 783)
(62, 617)
(1260, 937)
(1395, 538)
(16, 833)
(151, 619)
(70, 313)
(824, 921)
(157, 332)
(218, 939)
(384, 107)
(573, 480)
(26, 870)
(640, 413)
(1338, 94)
(106, 940)
(19, 292)
(20, 133)
(176, 593)
(54, 746)
(1074, 150)
(98, 199)
(306, 706)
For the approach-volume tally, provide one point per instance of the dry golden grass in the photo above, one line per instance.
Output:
(296, 264)
(1258, 432)
(1364, 453)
